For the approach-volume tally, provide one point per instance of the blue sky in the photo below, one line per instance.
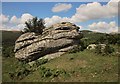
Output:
(15, 13)
(39, 9)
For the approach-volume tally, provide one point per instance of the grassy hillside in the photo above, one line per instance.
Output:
(82, 66)
(9, 37)
(92, 37)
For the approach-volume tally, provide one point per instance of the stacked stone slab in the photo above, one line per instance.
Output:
(58, 38)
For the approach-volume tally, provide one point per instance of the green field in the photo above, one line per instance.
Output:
(82, 66)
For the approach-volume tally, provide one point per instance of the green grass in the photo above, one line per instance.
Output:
(92, 36)
(8, 65)
(87, 66)
(83, 66)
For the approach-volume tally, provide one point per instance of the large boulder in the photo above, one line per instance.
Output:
(58, 38)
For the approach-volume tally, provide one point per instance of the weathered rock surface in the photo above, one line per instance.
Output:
(58, 38)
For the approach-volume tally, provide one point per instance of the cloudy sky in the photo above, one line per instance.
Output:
(95, 16)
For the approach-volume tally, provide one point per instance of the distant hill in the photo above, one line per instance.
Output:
(91, 37)
(85, 31)
(9, 37)
(91, 34)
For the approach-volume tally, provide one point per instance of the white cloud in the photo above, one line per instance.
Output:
(15, 20)
(83, 13)
(12, 27)
(25, 17)
(87, 12)
(55, 19)
(18, 27)
(61, 7)
(104, 27)
(4, 18)
(95, 11)
(52, 20)
(14, 23)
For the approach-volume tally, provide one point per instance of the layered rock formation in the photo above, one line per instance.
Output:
(57, 39)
